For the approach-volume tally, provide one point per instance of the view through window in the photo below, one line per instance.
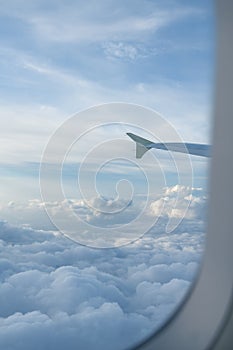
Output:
(105, 148)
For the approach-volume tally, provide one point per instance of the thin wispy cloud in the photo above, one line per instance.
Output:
(80, 22)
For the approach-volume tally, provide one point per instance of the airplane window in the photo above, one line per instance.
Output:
(103, 211)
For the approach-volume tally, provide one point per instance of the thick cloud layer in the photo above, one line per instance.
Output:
(56, 294)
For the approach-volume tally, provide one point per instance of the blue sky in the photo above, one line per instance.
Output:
(58, 59)
(70, 55)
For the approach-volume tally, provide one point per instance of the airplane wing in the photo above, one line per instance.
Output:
(143, 145)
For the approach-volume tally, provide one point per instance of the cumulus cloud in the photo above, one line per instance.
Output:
(102, 211)
(175, 207)
(55, 293)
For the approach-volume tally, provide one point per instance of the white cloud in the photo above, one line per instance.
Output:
(54, 292)
(121, 50)
(77, 22)
(119, 215)
(172, 206)
(25, 129)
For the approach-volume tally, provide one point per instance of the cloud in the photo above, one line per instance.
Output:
(77, 22)
(56, 293)
(121, 50)
(100, 212)
(173, 208)
(57, 65)
(24, 138)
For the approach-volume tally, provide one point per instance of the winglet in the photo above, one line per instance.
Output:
(142, 145)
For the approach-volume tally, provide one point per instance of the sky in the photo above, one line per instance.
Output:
(93, 239)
